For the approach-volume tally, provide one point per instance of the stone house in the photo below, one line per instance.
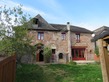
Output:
(67, 42)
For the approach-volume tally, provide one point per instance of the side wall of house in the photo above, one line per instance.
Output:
(85, 41)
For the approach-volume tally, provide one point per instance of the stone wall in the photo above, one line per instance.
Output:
(54, 39)
(85, 41)
(50, 38)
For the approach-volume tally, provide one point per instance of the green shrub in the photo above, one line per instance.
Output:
(72, 63)
(47, 54)
(96, 51)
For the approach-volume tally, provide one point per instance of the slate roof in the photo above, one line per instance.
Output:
(73, 28)
(101, 33)
(44, 25)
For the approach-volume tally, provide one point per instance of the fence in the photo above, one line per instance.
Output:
(8, 69)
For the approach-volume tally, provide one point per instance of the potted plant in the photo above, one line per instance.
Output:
(96, 56)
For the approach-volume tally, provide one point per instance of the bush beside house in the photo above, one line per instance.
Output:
(47, 54)
(96, 56)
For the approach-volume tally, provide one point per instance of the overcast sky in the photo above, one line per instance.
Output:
(90, 14)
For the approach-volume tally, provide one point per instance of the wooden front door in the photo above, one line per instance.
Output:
(78, 53)
(41, 57)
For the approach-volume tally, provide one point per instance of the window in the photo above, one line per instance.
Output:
(40, 35)
(53, 51)
(78, 53)
(60, 55)
(63, 35)
(35, 20)
(77, 37)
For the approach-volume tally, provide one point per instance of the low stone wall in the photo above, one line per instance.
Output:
(27, 59)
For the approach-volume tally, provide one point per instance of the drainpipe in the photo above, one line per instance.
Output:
(69, 41)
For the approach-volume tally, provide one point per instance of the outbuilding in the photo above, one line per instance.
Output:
(102, 38)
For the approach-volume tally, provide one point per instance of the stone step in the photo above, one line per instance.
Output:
(84, 62)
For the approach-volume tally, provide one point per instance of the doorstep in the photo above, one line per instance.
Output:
(84, 62)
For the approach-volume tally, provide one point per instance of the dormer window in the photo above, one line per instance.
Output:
(35, 21)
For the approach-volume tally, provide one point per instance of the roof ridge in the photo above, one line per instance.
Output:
(56, 24)
(100, 28)
(70, 25)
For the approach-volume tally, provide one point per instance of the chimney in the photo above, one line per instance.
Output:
(68, 26)
(69, 42)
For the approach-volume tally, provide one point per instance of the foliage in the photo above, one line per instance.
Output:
(39, 45)
(47, 54)
(59, 73)
(29, 73)
(14, 32)
(6, 47)
(72, 63)
(96, 51)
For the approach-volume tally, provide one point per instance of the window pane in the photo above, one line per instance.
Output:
(78, 37)
(82, 53)
(76, 51)
(40, 35)
(63, 36)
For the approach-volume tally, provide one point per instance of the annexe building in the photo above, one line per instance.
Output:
(67, 42)
(101, 40)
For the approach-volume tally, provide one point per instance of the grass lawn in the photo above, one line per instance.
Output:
(59, 73)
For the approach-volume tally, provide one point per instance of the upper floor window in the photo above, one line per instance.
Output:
(35, 20)
(63, 35)
(40, 35)
(78, 37)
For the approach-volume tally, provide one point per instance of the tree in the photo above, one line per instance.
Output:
(14, 32)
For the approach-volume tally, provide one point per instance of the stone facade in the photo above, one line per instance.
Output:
(54, 39)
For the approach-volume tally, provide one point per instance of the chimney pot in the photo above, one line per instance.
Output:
(68, 22)
(68, 26)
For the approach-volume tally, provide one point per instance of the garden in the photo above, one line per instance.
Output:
(59, 73)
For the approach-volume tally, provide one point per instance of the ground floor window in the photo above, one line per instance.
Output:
(53, 51)
(78, 53)
(60, 55)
